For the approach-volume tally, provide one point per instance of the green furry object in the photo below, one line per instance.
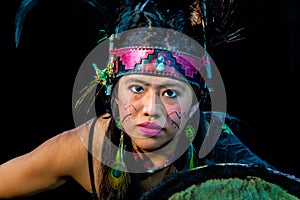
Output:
(252, 188)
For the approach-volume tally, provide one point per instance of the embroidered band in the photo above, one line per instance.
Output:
(152, 61)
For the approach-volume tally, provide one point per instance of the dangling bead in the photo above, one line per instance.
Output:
(191, 156)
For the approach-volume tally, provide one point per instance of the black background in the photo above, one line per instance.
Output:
(261, 75)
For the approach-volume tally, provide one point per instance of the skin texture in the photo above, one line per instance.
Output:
(65, 155)
(46, 167)
(163, 101)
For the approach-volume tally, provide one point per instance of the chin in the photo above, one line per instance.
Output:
(149, 144)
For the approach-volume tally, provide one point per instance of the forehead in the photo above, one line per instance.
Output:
(152, 80)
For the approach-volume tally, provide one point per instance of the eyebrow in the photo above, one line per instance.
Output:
(130, 80)
(164, 83)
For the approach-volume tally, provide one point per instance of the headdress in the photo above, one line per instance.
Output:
(153, 61)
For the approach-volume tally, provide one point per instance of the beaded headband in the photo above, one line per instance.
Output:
(151, 61)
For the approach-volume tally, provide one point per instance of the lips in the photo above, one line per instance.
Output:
(150, 128)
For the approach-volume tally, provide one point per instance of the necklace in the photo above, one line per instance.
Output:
(149, 169)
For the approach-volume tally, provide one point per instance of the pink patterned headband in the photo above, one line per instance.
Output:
(152, 61)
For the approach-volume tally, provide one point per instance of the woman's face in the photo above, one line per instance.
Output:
(153, 109)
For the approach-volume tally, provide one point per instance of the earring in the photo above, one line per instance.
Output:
(118, 179)
(119, 123)
(190, 134)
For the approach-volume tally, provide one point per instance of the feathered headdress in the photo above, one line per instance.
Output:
(209, 22)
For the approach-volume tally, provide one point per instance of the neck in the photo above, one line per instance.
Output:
(153, 161)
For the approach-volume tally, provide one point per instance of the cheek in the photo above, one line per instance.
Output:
(127, 109)
(120, 110)
(129, 106)
(178, 114)
(134, 105)
(176, 117)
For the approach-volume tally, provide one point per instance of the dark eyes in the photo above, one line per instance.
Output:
(137, 89)
(168, 93)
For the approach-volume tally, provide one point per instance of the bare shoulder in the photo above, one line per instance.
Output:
(51, 163)
(76, 144)
(93, 129)
(67, 153)
(72, 145)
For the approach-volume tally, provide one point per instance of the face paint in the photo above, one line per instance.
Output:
(153, 110)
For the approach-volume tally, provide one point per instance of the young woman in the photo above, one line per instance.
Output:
(154, 94)
(154, 116)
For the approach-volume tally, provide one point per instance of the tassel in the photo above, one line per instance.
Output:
(118, 178)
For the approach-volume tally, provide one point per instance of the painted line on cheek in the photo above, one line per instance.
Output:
(125, 118)
(178, 116)
(175, 123)
(129, 107)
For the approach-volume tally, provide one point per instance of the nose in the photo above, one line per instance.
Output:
(152, 105)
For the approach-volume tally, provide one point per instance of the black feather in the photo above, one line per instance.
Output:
(207, 21)
(22, 12)
(108, 11)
